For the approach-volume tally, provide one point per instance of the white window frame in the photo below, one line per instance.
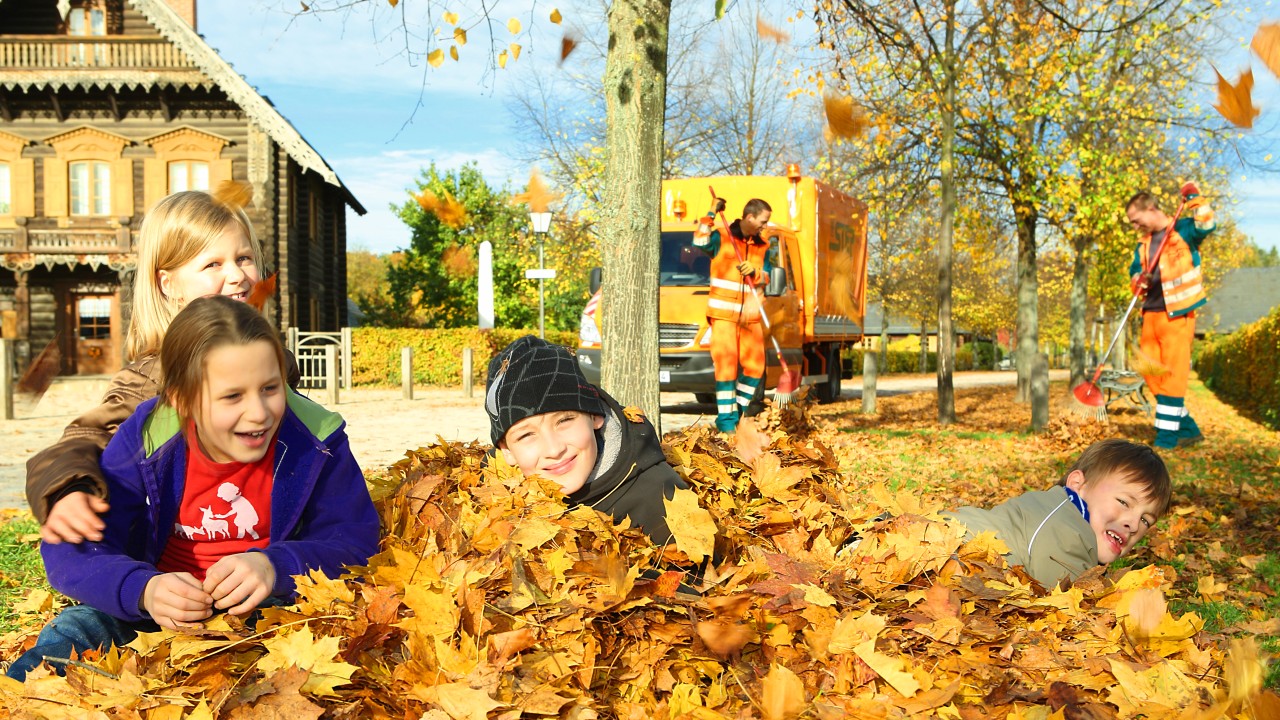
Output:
(90, 194)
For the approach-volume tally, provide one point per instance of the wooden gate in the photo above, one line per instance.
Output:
(309, 350)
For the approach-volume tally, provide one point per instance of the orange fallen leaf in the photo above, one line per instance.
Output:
(1266, 43)
(1235, 102)
(633, 413)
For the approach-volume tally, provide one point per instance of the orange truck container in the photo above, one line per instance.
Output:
(815, 298)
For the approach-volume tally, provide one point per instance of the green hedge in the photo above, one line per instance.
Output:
(437, 353)
(972, 356)
(1244, 368)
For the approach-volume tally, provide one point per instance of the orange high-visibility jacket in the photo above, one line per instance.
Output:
(730, 297)
(1180, 276)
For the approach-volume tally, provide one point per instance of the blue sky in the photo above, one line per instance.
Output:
(343, 81)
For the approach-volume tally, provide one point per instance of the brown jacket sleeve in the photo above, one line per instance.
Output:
(73, 460)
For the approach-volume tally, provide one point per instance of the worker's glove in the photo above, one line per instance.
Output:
(1138, 283)
(719, 206)
(702, 233)
(1190, 190)
(746, 269)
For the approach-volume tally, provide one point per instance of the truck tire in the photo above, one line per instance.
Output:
(829, 391)
(705, 398)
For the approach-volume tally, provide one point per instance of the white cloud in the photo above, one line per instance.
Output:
(379, 180)
(1258, 209)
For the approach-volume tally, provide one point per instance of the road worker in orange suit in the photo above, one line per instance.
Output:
(1174, 290)
(733, 311)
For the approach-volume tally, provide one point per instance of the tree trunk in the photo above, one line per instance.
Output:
(946, 333)
(635, 89)
(1028, 290)
(1079, 303)
(924, 347)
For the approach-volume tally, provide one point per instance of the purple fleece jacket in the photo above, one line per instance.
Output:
(321, 514)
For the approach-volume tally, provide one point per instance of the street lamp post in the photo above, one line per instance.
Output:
(541, 222)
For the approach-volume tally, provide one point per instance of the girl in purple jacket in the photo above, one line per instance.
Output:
(223, 488)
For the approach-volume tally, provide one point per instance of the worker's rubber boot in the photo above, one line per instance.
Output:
(726, 408)
(746, 393)
(1189, 434)
(1169, 412)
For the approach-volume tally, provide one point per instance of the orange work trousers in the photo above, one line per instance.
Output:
(1167, 341)
(735, 346)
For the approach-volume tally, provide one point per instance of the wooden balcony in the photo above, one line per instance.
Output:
(67, 242)
(46, 52)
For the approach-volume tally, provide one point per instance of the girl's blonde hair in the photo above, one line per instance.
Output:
(203, 326)
(177, 229)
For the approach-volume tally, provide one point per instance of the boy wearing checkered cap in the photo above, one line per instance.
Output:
(546, 419)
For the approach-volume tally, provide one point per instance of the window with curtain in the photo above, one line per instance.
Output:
(6, 190)
(87, 21)
(188, 175)
(90, 188)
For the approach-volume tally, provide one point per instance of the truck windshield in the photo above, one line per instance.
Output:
(682, 264)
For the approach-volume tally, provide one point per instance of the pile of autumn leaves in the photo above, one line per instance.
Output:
(491, 599)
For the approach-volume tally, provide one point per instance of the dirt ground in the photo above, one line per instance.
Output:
(381, 424)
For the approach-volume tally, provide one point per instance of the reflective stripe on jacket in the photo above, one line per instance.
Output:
(1180, 277)
(730, 297)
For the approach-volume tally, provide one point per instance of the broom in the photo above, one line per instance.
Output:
(789, 381)
(1087, 399)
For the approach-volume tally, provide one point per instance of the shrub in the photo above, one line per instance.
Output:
(437, 353)
(897, 361)
(1244, 368)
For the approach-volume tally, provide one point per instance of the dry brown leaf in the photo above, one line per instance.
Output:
(769, 32)
(262, 291)
(845, 118)
(1266, 43)
(782, 694)
(567, 45)
(1235, 102)
(748, 441)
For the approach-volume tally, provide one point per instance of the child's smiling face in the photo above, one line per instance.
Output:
(241, 403)
(560, 446)
(1120, 512)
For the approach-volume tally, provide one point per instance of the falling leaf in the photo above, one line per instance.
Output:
(435, 57)
(305, 7)
(769, 32)
(513, 25)
(1235, 102)
(1266, 43)
(1147, 608)
(39, 375)
(538, 195)
(748, 441)
(446, 209)
(782, 694)
(460, 36)
(555, 16)
(515, 51)
(720, 4)
(692, 526)
(262, 291)
(453, 52)
(234, 194)
(502, 59)
(451, 17)
(633, 413)
(845, 118)
(393, 3)
(567, 44)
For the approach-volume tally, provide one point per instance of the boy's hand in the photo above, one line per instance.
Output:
(239, 583)
(176, 600)
(74, 518)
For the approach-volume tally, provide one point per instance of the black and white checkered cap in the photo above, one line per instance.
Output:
(531, 377)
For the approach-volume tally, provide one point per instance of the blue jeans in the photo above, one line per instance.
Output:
(78, 628)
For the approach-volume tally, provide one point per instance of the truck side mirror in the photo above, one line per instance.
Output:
(596, 275)
(777, 282)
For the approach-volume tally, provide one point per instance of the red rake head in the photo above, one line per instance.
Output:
(1088, 394)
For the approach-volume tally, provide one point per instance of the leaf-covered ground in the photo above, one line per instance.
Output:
(492, 600)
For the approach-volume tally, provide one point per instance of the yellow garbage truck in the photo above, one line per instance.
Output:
(815, 297)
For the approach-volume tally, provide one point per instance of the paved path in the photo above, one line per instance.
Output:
(381, 424)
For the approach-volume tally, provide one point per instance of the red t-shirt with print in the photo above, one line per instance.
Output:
(226, 509)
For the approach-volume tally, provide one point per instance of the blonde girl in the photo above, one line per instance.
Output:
(190, 245)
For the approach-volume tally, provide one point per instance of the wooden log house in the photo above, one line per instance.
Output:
(106, 106)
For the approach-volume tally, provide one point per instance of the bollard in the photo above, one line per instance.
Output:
(406, 373)
(331, 374)
(466, 371)
(6, 378)
(869, 382)
(1039, 392)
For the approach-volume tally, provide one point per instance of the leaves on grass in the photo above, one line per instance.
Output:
(1235, 102)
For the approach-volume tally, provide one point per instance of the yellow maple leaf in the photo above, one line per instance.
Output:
(1209, 589)
(633, 413)
(318, 595)
(37, 601)
(435, 612)
(773, 480)
(1235, 102)
(888, 668)
(692, 527)
(782, 694)
(316, 655)
(853, 630)
(556, 17)
(461, 701)
(1266, 43)
(1162, 684)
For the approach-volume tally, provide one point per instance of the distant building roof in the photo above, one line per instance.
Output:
(1245, 295)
